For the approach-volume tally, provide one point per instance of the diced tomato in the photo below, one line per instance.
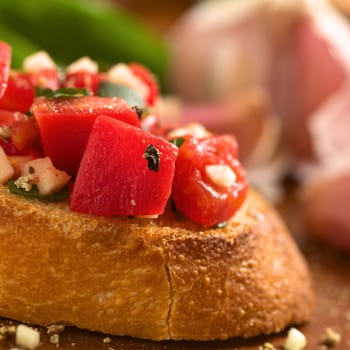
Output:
(19, 95)
(149, 79)
(65, 125)
(5, 62)
(89, 81)
(19, 134)
(124, 171)
(45, 78)
(195, 193)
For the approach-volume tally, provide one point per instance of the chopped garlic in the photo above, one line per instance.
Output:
(193, 129)
(6, 170)
(27, 337)
(122, 74)
(47, 178)
(83, 64)
(295, 340)
(221, 175)
(37, 62)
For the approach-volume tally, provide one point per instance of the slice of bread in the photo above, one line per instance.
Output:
(165, 278)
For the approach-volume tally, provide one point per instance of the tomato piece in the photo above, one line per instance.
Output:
(65, 125)
(19, 133)
(149, 79)
(197, 192)
(19, 95)
(45, 78)
(5, 62)
(124, 171)
(83, 79)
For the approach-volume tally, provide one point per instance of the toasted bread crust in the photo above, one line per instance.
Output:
(158, 279)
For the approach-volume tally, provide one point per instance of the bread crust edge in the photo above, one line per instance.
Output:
(157, 279)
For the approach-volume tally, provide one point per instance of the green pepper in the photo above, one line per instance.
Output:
(69, 29)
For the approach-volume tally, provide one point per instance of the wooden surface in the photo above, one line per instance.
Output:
(331, 273)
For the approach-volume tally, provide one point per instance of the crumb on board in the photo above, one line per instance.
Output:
(295, 340)
(27, 337)
(331, 338)
(24, 336)
(7, 330)
(55, 339)
(267, 346)
(107, 340)
(55, 329)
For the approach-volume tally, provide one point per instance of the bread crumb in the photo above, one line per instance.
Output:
(7, 330)
(55, 339)
(25, 182)
(27, 337)
(55, 329)
(295, 340)
(330, 338)
(107, 340)
(267, 346)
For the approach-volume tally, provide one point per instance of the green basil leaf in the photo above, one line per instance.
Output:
(61, 93)
(178, 141)
(110, 89)
(34, 193)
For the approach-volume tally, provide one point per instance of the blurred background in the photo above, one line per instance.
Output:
(108, 31)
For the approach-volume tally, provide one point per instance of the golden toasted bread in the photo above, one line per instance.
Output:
(165, 278)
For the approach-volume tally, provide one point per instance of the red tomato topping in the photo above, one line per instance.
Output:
(129, 173)
(19, 133)
(65, 125)
(45, 78)
(19, 95)
(83, 79)
(149, 79)
(195, 193)
(5, 62)
(121, 169)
